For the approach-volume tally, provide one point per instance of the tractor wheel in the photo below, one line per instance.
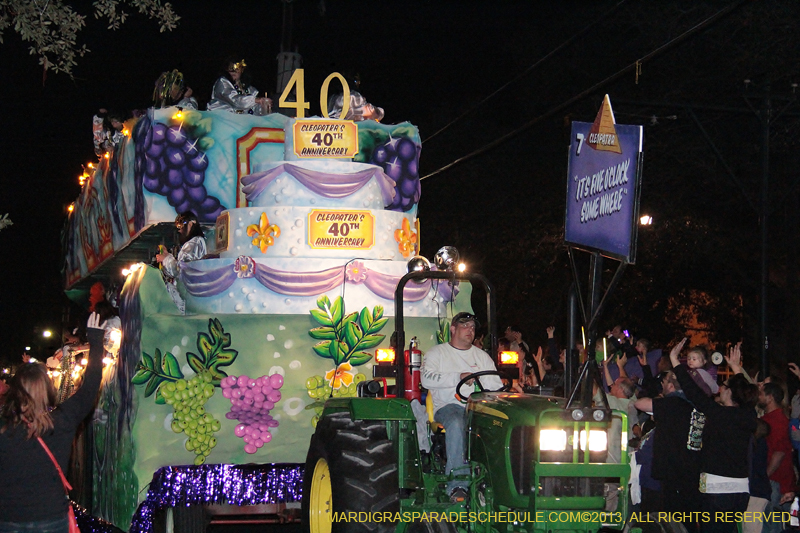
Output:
(351, 467)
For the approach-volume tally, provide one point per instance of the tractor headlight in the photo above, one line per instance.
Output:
(598, 441)
(554, 440)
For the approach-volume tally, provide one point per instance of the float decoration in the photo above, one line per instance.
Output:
(343, 339)
(163, 376)
(251, 402)
(263, 232)
(343, 336)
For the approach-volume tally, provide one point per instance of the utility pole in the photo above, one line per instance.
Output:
(288, 58)
(765, 117)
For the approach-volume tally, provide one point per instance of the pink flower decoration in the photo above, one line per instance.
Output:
(244, 267)
(356, 272)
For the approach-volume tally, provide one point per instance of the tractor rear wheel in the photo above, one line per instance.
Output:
(351, 467)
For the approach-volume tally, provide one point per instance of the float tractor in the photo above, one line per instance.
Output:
(535, 466)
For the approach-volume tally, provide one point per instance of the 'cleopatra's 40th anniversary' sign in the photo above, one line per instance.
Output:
(325, 138)
(341, 229)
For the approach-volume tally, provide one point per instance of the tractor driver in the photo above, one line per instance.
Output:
(443, 367)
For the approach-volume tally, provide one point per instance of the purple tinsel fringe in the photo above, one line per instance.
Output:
(231, 484)
(91, 524)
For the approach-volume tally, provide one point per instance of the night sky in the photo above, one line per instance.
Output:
(426, 62)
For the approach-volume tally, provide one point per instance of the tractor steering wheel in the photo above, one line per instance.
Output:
(476, 376)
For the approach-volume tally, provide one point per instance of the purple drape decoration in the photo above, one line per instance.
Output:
(211, 282)
(299, 283)
(384, 285)
(231, 484)
(322, 183)
(208, 282)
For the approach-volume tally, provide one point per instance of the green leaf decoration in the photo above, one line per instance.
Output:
(349, 318)
(205, 345)
(215, 328)
(365, 319)
(153, 371)
(321, 317)
(443, 335)
(336, 310)
(359, 358)
(215, 350)
(324, 303)
(171, 366)
(217, 375)
(324, 332)
(323, 349)
(352, 334)
(333, 349)
(378, 325)
(225, 357)
(152, 385)
(370, 341)
(145, 370)
(195, 362)
(345, 337)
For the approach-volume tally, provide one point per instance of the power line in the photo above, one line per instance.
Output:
(527, 70)
(636, 64)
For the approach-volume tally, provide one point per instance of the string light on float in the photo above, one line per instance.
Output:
(462, 267)
(131, 269)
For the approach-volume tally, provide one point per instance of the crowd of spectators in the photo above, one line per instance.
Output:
(698, 442)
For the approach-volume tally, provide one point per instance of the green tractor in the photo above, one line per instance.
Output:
(535, 466)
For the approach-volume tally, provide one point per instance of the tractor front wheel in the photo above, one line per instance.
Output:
(351, 467)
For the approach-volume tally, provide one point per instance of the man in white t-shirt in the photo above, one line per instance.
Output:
(442, 368)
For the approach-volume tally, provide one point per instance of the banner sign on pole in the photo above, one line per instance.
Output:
(603, 186)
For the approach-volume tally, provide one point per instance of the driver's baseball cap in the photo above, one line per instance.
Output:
(463, 318)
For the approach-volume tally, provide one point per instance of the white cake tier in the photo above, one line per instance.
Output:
(283, 286)
(316, 232)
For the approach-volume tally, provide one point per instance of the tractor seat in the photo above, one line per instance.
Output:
(435, 426)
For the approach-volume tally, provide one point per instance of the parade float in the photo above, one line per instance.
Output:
(310, 223)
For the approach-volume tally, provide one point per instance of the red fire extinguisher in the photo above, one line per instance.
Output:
(412, 368)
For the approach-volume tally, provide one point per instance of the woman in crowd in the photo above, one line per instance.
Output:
(32, 495)
(232, 92)
(724, 461)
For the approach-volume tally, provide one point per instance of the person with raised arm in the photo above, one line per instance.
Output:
(724, 457)
(32, 494)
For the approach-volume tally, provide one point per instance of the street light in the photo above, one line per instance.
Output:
(47, 334)
(646, 220)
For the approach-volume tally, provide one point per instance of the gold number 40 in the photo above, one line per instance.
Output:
(300, 105)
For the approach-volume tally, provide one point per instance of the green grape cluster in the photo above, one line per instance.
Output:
(320, 390)
(187, 398)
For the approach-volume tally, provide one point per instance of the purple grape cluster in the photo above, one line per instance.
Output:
(251, 402)
(399, 158)
(171, 165)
